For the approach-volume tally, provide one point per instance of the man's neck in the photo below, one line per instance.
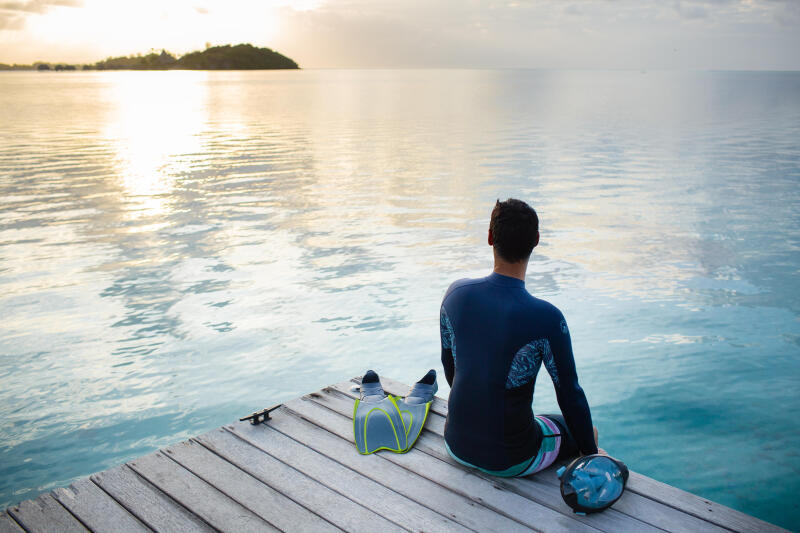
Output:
(513, 270)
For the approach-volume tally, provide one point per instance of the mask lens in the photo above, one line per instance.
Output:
(597, 482)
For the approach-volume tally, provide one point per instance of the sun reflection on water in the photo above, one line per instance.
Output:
(157, 126)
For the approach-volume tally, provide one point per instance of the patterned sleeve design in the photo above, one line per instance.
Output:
(528, 360)
(550, 363)
(447, 334)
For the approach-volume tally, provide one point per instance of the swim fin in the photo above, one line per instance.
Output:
(414, 407)
(377, 423)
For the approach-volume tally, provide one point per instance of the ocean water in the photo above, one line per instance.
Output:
(178, 249)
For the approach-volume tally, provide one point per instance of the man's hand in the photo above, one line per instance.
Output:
(600, 450)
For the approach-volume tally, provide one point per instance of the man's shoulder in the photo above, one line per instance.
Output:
(548, 315)
(543, 306)
(461, 284)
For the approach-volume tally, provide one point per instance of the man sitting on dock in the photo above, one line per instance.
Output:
(495, 336)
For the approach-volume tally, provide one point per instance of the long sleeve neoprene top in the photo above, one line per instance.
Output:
(495, 337)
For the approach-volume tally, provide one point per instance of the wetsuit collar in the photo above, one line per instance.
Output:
(505, 281)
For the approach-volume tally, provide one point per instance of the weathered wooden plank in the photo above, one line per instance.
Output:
(630, 513)
(157, 510)
(648, 511)
(417, 488)
(214, 507)
(337, 509)
(96, 509)
(458, 480)
(8, 525)
(220, 481)
(644, 486)
(45, 514)
(700, 507)
(541, 493)
(378, 498)
(271, 504)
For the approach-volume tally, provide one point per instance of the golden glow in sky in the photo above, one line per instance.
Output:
(97, 29)
(125, 27)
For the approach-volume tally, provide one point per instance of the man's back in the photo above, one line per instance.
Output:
(495, 336)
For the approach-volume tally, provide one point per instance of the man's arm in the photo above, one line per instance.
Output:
(448, 346)
(560, 364)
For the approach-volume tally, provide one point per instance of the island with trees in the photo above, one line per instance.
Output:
(226, 57)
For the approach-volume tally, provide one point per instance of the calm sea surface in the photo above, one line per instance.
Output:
(178, 249)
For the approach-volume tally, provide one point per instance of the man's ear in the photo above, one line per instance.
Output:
(536, 240)
(491, 238)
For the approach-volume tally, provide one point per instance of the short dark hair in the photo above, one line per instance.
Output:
(514, 225)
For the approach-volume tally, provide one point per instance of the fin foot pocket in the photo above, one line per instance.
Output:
(385, 422)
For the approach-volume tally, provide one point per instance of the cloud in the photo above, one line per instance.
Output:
(38, 6)
(690, 12)
(14, 14)
(722, 34)
(10, 21)
(731, 11)
(787, 12)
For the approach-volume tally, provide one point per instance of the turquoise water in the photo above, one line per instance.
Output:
(178, 249)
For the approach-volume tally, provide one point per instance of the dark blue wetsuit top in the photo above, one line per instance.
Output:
(495, 337)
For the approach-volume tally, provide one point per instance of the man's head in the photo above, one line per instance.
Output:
(513, 230)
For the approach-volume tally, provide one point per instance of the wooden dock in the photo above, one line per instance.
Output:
(300, 471)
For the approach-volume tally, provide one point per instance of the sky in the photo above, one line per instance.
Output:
(580, 34)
